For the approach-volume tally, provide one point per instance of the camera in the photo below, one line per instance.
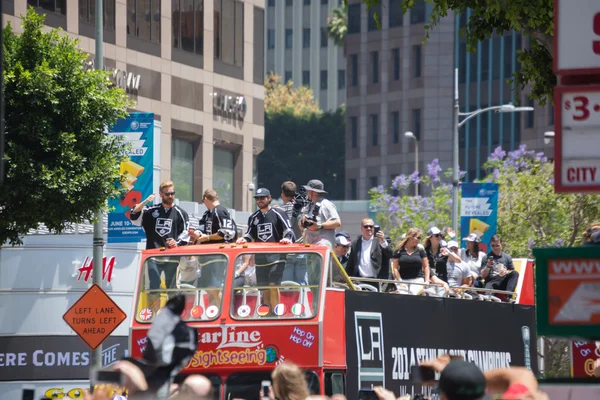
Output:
(300, 201)
(311, 220)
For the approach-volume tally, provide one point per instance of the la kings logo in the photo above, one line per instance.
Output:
(163, 226)
(265, 231)
(369, 346)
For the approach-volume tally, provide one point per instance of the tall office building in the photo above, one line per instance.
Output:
(298, 48)
(198, 65)
(397, 84)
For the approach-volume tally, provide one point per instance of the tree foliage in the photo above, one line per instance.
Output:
(301, 141)
(60, 165)
(337, 27)
(533, 18)
(530, 213)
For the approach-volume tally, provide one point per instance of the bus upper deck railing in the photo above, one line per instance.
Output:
(436, 290)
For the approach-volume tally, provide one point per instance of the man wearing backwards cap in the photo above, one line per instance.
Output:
(320, 218)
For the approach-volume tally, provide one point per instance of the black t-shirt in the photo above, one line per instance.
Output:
(410, 266)
(437, 263)
(218, 221)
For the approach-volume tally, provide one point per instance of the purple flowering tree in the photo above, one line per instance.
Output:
(530, 213)
(398, 210)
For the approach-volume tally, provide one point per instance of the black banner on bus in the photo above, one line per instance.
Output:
(387, 334)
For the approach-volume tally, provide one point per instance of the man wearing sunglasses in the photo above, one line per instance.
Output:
(166, 225)
(497, 268)
(370, 253)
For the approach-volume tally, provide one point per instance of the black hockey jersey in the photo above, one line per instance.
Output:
(218, 221)
(271, 226)
(161, 223)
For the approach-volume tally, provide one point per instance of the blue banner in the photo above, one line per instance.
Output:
(479, 211)
(137, 130)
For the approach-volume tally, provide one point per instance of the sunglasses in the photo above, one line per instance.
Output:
(169, 193)
(437, 235)
(496, 245)
(417, 237)
(368, 226)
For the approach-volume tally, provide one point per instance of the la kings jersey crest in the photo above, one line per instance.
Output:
(265, 231)
(163, 226)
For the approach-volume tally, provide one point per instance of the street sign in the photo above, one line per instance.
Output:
(567, 292)
(577, 139)
(576, 37)
(94, 316)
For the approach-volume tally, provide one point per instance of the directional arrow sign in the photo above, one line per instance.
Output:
(94, 316)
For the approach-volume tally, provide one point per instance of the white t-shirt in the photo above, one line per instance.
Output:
(327, 212)
(457, 273)
(365, 267)
(473, 264)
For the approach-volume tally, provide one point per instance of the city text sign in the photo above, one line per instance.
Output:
(577, 139)
(576, 37)
(234, 105)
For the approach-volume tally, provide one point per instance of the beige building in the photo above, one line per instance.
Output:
(198, 65)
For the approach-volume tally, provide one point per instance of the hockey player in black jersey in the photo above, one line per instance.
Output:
(165, 225)
(268, 225)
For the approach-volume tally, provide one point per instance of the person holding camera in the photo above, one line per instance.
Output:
(292, 205)
(370, 253)
(319, 218)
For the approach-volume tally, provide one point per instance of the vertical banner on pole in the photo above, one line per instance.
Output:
(479, 211)
(138, 131)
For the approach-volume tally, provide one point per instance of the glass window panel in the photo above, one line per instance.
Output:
(227, 31)
(187, 25)
(109, 14)
(306, 38)
(155, 21)
(143, 19)
(83, 11)
(372, 23)
(182, 167)
(131, 18)
(354, 18)
(341, 79)
(48, 5)
(239, 34)
(323, 79)
(199, 26)
(217, 30)
(395, 13)
(176, 23)
(223, 176)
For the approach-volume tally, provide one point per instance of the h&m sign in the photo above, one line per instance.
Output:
(234, 105)
(127, 81)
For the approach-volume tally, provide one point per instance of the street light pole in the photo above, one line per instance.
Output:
(505, 108)
(412, 136)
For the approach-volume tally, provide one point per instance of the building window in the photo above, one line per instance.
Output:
(306, 78)
(271, 38)
(143, 19)
(271, 3)
(353, 190)
(396, 64)
(417, 13)
(324, 37)
(374, 66)
(417, 61)
(354, 18)
(223, 168)
(287, 76)
(529, 115)
(229, 32)
(323, 79)
(396, 127)
(55, 6)
(354, 132)
(306, 38)
(87, 13)
(341, 78)
(374, 12)
(354, 69)
(395, 13)
(307, 2)
(188, 25)
(324, 2)
(373, 181)
(289, 3)
(289, 38)
(374, 130)
(550, 115)
(182, 168)
(259, 45)
(416, 123)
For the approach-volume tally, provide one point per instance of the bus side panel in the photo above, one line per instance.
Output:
(334, 328)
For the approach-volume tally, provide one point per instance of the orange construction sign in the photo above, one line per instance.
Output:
(574, 291)
(94, 316)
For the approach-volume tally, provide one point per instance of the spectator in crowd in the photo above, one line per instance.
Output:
(289, 383)
(194, 387)
(459, 274)
(591, 236)
(165, 225)
(268, 224)
(292, 206)
(342, 246)
(320, 218)
(437, 254)
(370, 253)
(472, 257)
(497, 268)
(409, 262)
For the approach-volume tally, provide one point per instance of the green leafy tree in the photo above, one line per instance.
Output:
(60, 165)
(533, 18)
(337, 25)
(301, 141)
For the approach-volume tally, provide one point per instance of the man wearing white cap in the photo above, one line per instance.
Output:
(320, 218)
(342, 245)
(459, 274)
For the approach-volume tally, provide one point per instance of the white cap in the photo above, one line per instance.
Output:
(452, 244)
(341, 240)
(434, 230)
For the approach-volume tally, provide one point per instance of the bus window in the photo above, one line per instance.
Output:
(247, 385)
(215, 381)
(337, 276)
(334, 383)
(199, 277)
(276, 285)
